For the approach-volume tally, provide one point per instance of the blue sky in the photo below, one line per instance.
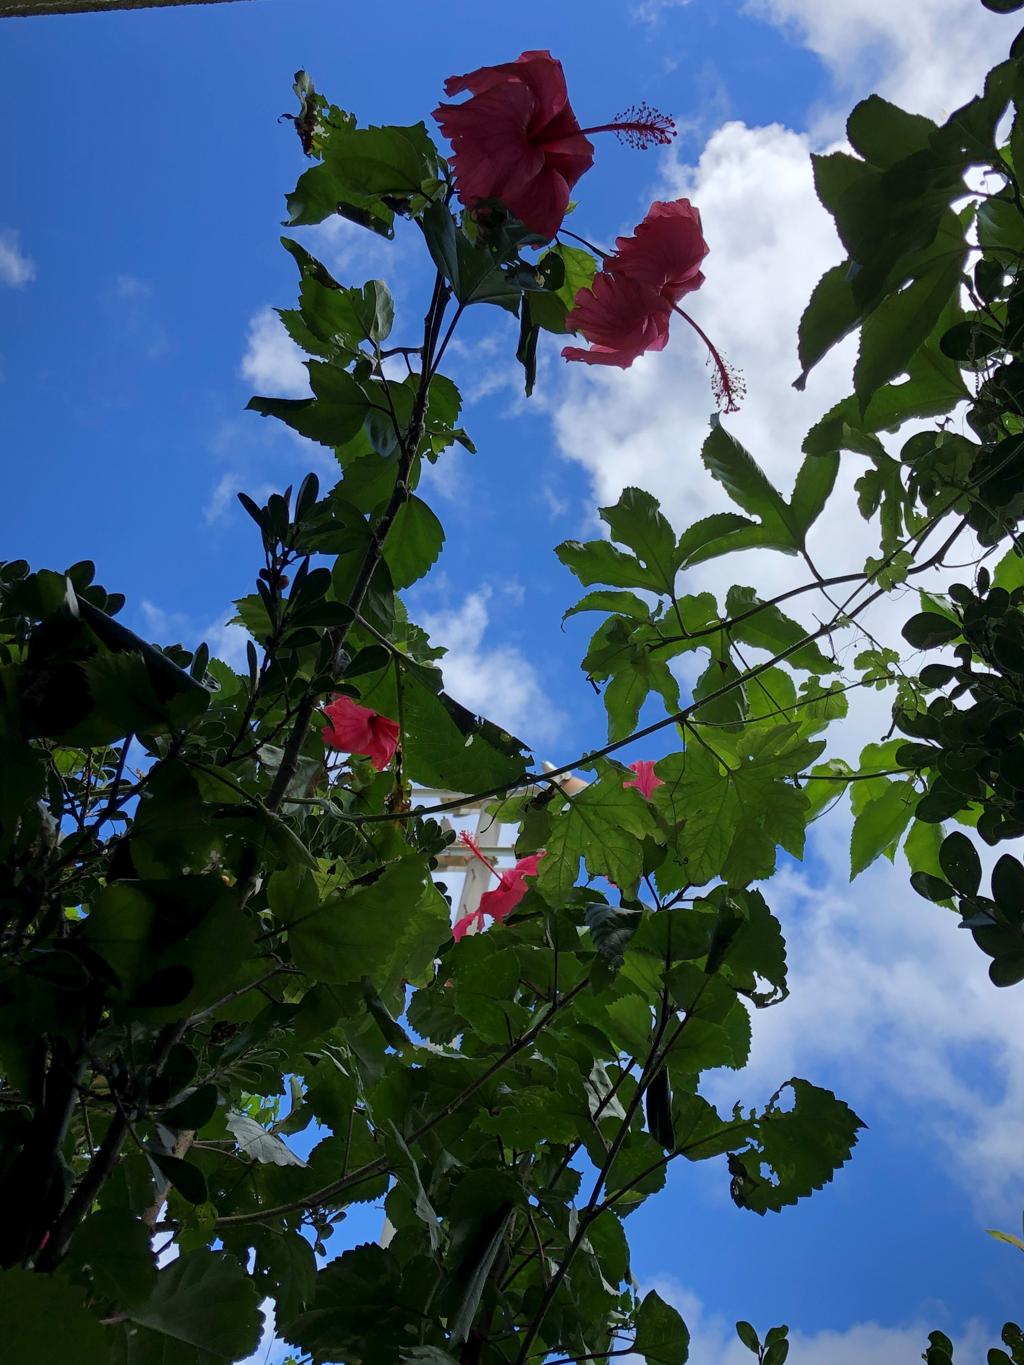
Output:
(144, 172)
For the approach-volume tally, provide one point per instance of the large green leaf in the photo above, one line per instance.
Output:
(604, 825)
(781, 525)
(636, 521)
(769, 629)
(598, 561)
(204, 1308)
(734, 813)
(175, 945)
(413, 542)
(356, 1312)
(114, 1248)
(802, 1147)
(892, 333)
(389, 926)
(883, 133)
(381, 160)
(661, 1334)
(878, 827)
(45, 1319)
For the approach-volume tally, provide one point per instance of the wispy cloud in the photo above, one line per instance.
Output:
(713, 1340)
(928, 57)
(16, 269)
(492, 677)
(272, 362)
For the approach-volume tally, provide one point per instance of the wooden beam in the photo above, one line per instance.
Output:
(22, 9)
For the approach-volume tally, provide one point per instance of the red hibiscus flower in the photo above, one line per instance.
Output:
(516, 139)
(355, 729)
(625, 313)
(646, 778)
(506, 895)
(621, 318)
(665, 251)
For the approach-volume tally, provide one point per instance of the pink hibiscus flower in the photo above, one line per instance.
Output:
(506, 895)
(355, 729)
(646, 778)
(516, 139)
(625, 313)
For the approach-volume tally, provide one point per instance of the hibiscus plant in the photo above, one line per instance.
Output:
(223, 928)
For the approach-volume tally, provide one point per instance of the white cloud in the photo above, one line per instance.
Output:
(272, 361)
(348, 249)
(928, 56)
(649, 11)
(16, 269)
(713, 1341)
(497, 680)
(891, 1006)
(131, 287)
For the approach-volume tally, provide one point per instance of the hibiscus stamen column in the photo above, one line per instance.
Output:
(727, 384)
(639, 127)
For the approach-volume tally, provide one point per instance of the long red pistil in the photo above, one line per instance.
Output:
(728, 386)
(640, 127)
(474, 848)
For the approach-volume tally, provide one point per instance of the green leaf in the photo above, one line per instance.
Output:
(388, 927)
(376, 309)
(749, 487)
(476, 1282)
(43, 1318)
(661, 1334)
(883, 133)
(1008, 886)
(598, 561)
(356, 1312)
(114, 1248)
(895, 330)
(186, 1178)
(715, 535)
(928, 630)
(815, 480)
(548, 308)
(831, 314)
(749, 1337)
(206, 1301)
(194, 1111)
(379, 161)
(191, 925)
(626, 603)
(605, 825)
(333, 417)
(413, 543)
(933, 387)
(769, 629)
(636, 521)
(802, 1148)
(734, 817)
(637, 673)
(443, 744)
(960, 863)
(471, 268)
(256, 1142)
(878, 827)
(1007, 1237)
